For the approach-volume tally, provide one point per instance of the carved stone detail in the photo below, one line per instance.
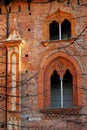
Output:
(59, 66)
(61, 69)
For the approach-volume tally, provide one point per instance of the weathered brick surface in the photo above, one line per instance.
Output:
(29, 25)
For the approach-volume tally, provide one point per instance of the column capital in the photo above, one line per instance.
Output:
(61, 78)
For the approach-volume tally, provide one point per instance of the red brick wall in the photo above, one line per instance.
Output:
(37, 55)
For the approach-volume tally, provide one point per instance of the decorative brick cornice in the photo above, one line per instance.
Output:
(64, 42)
(54, 113)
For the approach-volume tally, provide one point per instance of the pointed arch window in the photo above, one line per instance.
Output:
(66, 29)
(54, 31)
(60, 83)
(61, 90)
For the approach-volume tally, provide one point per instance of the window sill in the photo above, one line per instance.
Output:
(71, 111)
(46, 43)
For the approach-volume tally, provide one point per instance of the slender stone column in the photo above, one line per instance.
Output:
(61, 81)
(60, 31)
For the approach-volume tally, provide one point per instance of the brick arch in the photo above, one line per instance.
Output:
(53, 63)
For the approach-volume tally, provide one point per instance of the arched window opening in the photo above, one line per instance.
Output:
(61, 90)
(9, 9)
(54, 31)
(55, 90)
(62, 70)
(64, 23)
(67, 89)
(0, 10)
(19, 8)
(66, 29)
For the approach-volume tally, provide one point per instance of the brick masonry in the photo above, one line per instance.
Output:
(35, 53)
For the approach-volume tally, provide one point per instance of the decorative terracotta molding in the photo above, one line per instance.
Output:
(60, 112)
(51, 42)
(60, 62)
(58, 16)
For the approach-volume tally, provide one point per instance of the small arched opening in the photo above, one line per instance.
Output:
(66, 29)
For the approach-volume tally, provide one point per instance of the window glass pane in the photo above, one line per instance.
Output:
(67, 89)
(54, 31)
(66, 29)
(55, 90)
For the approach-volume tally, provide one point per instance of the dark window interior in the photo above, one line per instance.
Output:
(9, 9)
(66, 29)
(67, 89)
(2, 126)
(54, 31)
(55, 90)
(19, 8)
(0, 11)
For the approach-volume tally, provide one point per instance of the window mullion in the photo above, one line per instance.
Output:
(61, 81)
(60, 31)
